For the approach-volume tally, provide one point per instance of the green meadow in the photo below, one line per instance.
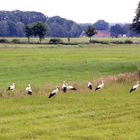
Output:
(41, 65)
(110, 114)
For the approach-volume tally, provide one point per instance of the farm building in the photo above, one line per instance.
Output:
(102, 33)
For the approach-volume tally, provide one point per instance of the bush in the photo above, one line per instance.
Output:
(98, 41)
(55, 41)
(128, 42)
(123, 42)
(3, 40)
(118, 42)
(15, 41)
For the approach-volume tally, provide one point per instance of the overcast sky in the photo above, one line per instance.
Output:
(81, 11)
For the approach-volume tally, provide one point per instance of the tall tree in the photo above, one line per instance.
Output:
(28, 32)
(90, 31)
(136, 21)
(40, 30)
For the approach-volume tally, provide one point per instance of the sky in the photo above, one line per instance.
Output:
(80, 11)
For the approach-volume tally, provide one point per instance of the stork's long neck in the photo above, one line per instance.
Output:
(102, 82)
(64, 83)
(57, 88)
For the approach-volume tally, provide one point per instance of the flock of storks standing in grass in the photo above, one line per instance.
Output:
(65, 87)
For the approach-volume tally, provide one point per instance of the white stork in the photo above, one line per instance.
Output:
(134, 88)
(29, 89)
(64, 87)
(54, 92)
(11, 87)
(100, 86)
(70, 87)
(89, 85)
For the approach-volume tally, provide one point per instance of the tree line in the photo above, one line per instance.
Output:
(23, 23)
(13, 23)
(117, 29)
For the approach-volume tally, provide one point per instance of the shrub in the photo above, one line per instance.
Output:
(15, 41)
(118, 42)
(3, 40)
(55, 41)
(123, 42)
(128, 41)
(98, 41)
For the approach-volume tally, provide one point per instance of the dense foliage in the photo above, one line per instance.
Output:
(60, 27)
(101, 25)
(117, 30)
(136, 21)
(90, 31)
(39, 29)
(13, 23)
(28, 32)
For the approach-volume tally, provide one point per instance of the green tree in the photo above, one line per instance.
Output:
(28, 32)
(136, 21)
(90, 31)
(4, 28)
(12, 28)
(20, 29)
(40, 30)
(116, 30)
(61, 27)
(101, 25)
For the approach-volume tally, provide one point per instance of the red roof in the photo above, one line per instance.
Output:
(102, 34)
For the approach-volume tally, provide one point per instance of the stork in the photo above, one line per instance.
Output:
(29, 89)
(11, 87)
(70, 87)
(89, 85)
(134, 88)
(100, 86)
(54, 92)
(64, 87)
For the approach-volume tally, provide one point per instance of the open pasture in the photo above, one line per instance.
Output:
(110, 114)
(42, 65)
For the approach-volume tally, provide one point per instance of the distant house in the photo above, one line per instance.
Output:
(102, 33)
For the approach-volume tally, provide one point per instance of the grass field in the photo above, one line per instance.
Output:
(112, 114)
(41, 66)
